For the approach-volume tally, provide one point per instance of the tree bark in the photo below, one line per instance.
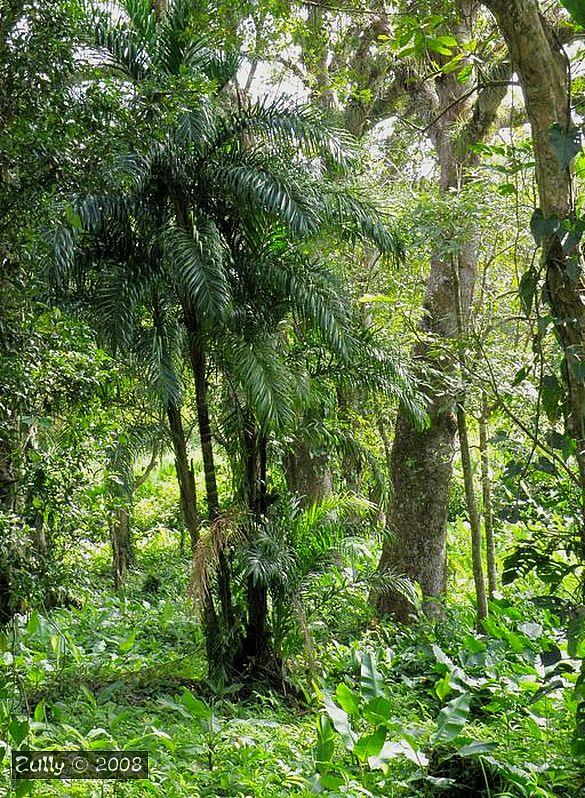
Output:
(474, 520)
(544, 75)
(199, 373)
(466, 463)
(185, 475)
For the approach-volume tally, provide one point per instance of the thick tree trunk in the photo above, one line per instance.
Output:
(543, 72)
(486, 489)
(544, 75)
(422, 460)
(185, 475)
(308, 475)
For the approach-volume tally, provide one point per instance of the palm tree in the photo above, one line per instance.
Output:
(228, 202)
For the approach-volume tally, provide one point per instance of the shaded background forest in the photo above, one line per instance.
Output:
(292, 394)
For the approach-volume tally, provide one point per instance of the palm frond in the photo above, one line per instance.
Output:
(197, 126)
(116, 305)
(267, 384)
(221, 68)
(391, 581)
(315, 295)
(269, 561)
(198, 264)
(361, 218)
(255, 189)
(157, 350)
(377, 369)
(122, 49)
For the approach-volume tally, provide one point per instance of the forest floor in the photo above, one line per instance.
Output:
(126, 673)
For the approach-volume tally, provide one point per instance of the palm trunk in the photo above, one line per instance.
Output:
(486, 488)
(185, 475)
(198, 366)
(223, 572)
(257, 641)
(217, 629)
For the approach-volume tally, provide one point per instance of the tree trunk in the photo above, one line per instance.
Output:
(223, 570)
(217, 628)
(308, 475)
(486, 489)
(121, 545)
(543, 72)
(257, 640)
(470, 500)
(544, 76)
(198, 366)
(422, 459)
(185, 475)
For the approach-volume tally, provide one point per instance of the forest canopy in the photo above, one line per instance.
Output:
(292, 396)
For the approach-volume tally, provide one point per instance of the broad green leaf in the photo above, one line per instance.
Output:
(443, 686)
(476, 747)
(370, 745)
(542, 228)
(347, 699)
(527, 289)
(371, 678)
(565, 143)
(573, 269)
(392, 750)
(196, 706)
(340, 720)
(331, 782)
(442, 44)
(18, 731)
(323, 751)
(378, 710)
(551, 394)
(576, 9)
(128, 643)
(452, 718)
(40, 713)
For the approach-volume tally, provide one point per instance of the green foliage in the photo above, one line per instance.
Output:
(575, 9)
